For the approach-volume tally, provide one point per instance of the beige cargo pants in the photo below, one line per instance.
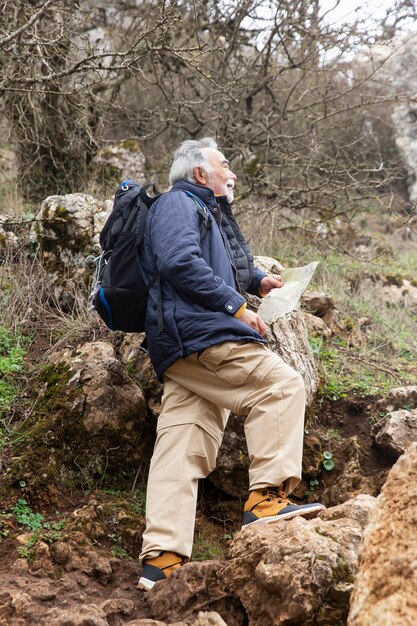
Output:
(199, 393)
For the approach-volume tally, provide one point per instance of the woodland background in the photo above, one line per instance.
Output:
(318, 118)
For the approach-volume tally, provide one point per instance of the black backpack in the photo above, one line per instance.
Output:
(119, 293)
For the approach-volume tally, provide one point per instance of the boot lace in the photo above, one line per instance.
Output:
(276, 493)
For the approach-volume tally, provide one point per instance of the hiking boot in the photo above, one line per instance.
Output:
(271, 504)
(159, 568)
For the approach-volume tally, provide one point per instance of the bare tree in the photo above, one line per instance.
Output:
(273, 80)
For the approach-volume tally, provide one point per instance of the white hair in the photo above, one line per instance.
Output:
(190, 154)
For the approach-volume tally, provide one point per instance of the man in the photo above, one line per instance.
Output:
(209, 350)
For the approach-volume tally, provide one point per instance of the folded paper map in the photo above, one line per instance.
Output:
(281, 301)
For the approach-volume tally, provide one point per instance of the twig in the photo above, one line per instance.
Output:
(377, 367)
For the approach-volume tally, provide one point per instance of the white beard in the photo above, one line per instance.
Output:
(230, 195)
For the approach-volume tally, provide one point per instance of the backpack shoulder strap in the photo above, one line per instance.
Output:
(203, 212)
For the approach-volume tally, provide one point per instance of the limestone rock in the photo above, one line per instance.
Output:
(231, 473)
(89, 418)
(139, 365)
(110, 396)
(384, 589)
(210, 618)
(400, 398)
(317, 303)
(193, 586)
(90, 615)
(8, 239)
(404, 118)
(67, 230)
(152, 622)
(298, 572)
(121, 161)
(396, 431)
(404, 294)
(317, 325)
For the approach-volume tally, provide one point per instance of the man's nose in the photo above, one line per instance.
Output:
(233, 176)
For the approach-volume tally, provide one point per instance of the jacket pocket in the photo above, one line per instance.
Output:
(232, 361)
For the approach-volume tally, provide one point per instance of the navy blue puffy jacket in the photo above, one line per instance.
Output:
(198, 278)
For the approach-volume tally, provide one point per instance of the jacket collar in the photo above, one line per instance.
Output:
(204, 193)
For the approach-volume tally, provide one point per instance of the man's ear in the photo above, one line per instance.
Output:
(200, 175)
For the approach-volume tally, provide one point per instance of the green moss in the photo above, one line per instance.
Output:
(61, 212)
(130, 144)
(342, 573)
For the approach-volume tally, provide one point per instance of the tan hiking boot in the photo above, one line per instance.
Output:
(271, 504)
(159, 568)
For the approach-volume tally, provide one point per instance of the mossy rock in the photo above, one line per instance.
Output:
(58, 454)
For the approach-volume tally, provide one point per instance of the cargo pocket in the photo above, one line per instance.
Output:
(232, 361)
(204, 448)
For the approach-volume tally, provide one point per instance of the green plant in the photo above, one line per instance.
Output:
(120, 553)
(333, 433)
(27, 551)
(11, 352)
(11, 363)
(327, 460)
(25, 516)
(207, 546)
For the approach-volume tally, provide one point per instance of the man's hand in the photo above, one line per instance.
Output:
(253, 320)
(273, 281)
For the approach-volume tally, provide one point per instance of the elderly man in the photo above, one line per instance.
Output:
(209, 350)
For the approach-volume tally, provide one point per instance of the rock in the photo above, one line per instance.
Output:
(152, 622)
(139, 365)
(400, 398)
(317, 303)
(89, 418)
(67, 230)
(195, 585)
(395, 431)
(268, 264)
(110, 396)
(210, 618)
(117, 607)
(312, 456)
(404, 117)
(231, 473)
(8, 239)
(405, 294)
(358, 509)
(316, 325)
(298, 572)
(43, 591)
(121, 161)
(384, 588)
(89, 615)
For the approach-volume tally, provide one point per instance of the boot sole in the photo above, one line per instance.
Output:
(145, 584)
(310, 512)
